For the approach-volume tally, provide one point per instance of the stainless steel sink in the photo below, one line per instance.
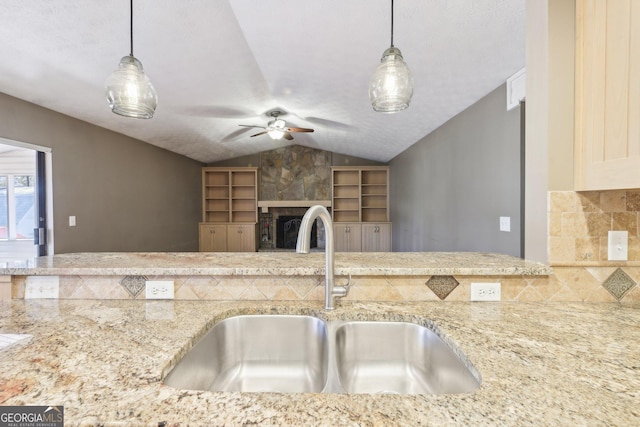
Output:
(257, 353)
(304, 354)
(398, 357)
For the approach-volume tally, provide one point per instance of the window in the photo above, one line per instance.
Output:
(4, 208)
(17, 207)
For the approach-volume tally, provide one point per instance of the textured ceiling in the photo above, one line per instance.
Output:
(219, 63)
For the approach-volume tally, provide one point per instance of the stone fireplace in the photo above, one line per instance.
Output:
(292, 179)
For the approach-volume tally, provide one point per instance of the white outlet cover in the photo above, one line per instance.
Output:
(37, 287)
(618, 246)
(505, 223)
(486, 291)
(159, 289)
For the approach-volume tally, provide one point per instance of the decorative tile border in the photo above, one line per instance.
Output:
(576, 284)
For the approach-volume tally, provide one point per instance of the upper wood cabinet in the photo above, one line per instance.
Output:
(229, 194)
(607, 107)
(360, 194)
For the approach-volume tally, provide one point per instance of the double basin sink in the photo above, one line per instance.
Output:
(305, 354)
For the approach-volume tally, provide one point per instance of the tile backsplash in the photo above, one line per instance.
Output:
(578, 226)
(579, 223)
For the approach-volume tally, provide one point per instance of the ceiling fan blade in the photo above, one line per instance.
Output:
(234, 134)
(216, 111)
(252, 126)
(329, 123)
(299, 130)
(259, 133)
(287, 136)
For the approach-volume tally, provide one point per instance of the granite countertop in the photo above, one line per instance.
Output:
(541, 364)
(275, 263)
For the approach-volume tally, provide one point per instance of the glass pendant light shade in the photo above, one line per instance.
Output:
(129, 91)
(391, 86)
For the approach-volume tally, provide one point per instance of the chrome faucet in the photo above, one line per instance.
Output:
(331, 291)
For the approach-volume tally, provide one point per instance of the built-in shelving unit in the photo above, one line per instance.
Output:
(230, 195)
(360, 194)
(374, 190)
(229, 209)
(244, 196)
(360, 198)
(346, 195)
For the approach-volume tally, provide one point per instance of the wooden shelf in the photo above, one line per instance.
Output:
(229, 194)
(360, 189)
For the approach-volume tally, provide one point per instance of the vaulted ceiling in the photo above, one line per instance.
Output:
(219, 63)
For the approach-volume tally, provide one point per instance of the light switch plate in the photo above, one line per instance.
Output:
(618, 245)
(505, 223)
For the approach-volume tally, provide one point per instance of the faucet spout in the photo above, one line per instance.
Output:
(331, 291)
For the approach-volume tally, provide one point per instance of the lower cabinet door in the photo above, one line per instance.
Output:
(213, 238)
(241, 238)
(376, 237)
(348, 236)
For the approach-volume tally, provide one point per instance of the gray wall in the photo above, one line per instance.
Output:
(450, 188)
(127, 195)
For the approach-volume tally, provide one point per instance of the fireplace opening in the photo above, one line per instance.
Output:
(287, 227)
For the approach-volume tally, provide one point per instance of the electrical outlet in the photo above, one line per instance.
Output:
(159, 289)
(485, 292)
(505, 223)
(42, 287)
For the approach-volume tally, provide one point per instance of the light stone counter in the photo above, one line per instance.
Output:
(541, 364)
(277, 264)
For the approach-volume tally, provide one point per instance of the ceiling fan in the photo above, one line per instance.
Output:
(277, 128)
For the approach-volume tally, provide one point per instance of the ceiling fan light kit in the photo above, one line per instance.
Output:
(391, 86)
(277, 128)
(129, 91)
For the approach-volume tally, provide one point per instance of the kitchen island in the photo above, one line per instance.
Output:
(541, 364)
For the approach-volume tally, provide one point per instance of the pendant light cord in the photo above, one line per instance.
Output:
(391, 23)
(131, 26)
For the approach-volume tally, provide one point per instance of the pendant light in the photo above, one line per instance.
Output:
(391, 86)
(129, 91)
